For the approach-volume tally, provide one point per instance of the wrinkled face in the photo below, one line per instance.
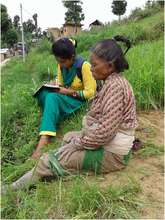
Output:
(100, 68)
(67, 63)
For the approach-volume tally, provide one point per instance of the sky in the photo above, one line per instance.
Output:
(51, 13)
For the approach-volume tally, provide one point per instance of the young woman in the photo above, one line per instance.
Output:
(104, 144)
(77, 85)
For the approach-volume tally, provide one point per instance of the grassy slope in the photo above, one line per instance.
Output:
(20, 120)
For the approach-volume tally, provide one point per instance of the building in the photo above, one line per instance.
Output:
(55, 32)
(96, 24)
(70, 29)
(5, 53)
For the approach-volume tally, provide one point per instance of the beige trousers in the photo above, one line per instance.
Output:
(110, 162)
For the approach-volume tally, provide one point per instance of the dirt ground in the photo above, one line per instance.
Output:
(151, 127)
(149, 172)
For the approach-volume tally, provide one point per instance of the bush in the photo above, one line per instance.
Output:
(138, 13)
(44, 46)
(11, 37)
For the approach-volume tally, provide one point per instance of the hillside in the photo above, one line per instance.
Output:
(85, 196)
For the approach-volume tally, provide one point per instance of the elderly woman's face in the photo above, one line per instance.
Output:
(100, 69)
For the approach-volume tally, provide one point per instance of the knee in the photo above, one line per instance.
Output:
(42, 168)
(70, 135)
(52, 100)
(51, 96)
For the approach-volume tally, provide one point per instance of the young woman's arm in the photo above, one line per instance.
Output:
(89, 82)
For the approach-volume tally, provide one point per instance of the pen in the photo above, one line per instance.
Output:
(48, 74)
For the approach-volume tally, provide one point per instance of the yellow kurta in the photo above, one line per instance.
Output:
(87, 87)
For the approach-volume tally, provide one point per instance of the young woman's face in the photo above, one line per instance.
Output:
(100, 69)
(67, 63)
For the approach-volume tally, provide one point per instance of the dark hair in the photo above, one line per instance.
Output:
(111, 51)
(64, 48)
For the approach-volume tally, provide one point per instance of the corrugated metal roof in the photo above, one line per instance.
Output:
(4, 50)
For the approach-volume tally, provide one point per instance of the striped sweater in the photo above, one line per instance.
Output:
(113, 109)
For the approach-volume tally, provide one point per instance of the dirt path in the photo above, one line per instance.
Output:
(147, 171)
(151, 128)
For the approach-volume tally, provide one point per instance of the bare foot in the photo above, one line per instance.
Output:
(44, 140)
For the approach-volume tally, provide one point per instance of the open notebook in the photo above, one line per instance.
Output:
(48, 86)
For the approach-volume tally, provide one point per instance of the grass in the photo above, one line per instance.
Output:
(75, 197)
(18, 129)
(138, 31)
(146, 74)
(149, 150)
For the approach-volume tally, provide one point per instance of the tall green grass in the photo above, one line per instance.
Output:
(146, 74)
(148, 29)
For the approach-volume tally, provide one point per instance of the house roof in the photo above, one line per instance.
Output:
(96, 22)
(4, 50)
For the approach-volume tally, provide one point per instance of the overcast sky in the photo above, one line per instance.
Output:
(51, 12)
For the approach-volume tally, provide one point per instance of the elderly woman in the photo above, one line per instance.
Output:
(104, 144)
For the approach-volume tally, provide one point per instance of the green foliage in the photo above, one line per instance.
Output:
(18, 84)
(9, 34)
(11, 31)
(119, 7)
(161, 3)
(146, 75)
(5, 20)
(35, 20)
(137, 32)
(74, 13)
(11, 37)
(88, 200)
(44, 46)
(151, 8)
(16, 22)
(28, 26)
(149, 149)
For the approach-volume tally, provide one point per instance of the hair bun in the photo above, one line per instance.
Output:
(124, 40)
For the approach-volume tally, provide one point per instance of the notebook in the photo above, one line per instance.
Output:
(48, 86)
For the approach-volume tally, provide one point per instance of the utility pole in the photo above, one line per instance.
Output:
(75, 19)
(23, 43)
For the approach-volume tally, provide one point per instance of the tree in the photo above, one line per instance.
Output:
(6, 23)
(74, 12)
(161, 3)
(16, 22)
(28, 26)
(119, 7)
(11, 37)
(35, 20)
(9, 34)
